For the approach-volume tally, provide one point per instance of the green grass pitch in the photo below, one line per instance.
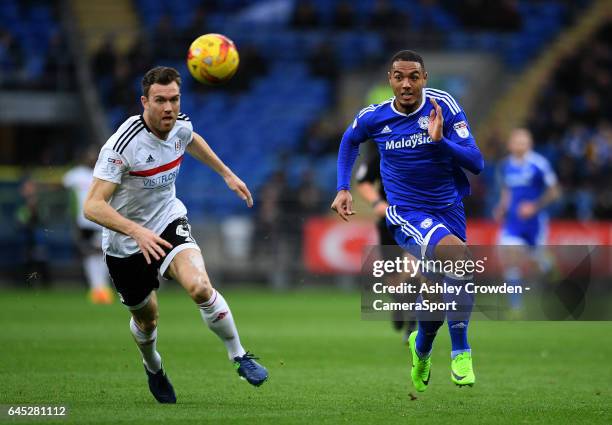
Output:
(326, 365)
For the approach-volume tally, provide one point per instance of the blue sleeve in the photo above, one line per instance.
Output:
(457, 141)
(354, 135)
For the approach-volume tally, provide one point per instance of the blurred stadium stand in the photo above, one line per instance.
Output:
(306, 67)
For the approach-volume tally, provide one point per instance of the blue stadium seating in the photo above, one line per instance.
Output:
(32, 26)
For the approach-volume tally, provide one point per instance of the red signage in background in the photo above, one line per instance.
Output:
(561, 232)
(333, 246)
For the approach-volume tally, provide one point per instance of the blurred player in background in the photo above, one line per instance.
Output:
(32, 219)
(370, 187)
(88, 235)
(146, 229)
(424, 142)
(528, 186)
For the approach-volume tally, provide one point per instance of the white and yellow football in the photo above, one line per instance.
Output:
(212, 59)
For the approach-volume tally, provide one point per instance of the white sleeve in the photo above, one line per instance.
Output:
(186, 131)
(548, 174)
(110, 166)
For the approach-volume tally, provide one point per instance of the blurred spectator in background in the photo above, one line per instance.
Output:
(252, 65)
(104, 59)
(11, 59)
(268, 218)
(31, 218)
(58, 71)
(305, 16)
(197, 27)
(165, 40)
(139, 56)
(344, 15)
(321, 138)
(87, 234)
(309, 197)
(479, 15)
(389, 22)
(123, 91)
(323, 63)
(274, 227)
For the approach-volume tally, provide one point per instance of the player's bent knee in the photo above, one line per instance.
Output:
(452, 248)
(201, 291)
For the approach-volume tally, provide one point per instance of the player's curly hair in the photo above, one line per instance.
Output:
(163, 75)
(408, 56)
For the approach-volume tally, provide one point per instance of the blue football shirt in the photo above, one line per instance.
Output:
(417, 172)
(526, 180)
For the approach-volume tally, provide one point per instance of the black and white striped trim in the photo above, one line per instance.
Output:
(372, 108)
(444, 97)
(127, 136)
(182, 117)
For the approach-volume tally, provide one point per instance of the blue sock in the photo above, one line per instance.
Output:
(458, 335)
(458, 321)
(425, 336)
(513, 277)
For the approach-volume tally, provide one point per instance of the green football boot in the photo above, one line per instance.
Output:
(461, 370)
(421, 368)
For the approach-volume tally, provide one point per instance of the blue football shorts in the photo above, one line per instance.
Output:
(532, 232)
(419, 231)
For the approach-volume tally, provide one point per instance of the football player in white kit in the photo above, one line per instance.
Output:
(88, 235)
(146, 229)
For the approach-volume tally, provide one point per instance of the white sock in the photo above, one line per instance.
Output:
(147, 344)
(218, 317)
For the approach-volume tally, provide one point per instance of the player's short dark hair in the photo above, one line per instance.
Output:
(408, 56)
(163, 75)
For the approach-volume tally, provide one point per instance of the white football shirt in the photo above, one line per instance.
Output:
(145, 168)
(79, 179)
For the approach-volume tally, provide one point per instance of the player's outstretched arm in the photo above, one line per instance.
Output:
(200, 150)
(502, 207)
(98, 210)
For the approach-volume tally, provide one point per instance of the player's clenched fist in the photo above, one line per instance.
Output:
(343, 204)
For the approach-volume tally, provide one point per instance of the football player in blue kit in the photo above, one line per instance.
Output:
(425, 143)
(528, 186)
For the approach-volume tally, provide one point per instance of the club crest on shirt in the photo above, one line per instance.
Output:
(461, 129)
(426, 224)
(182, 134)
(423, 122)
